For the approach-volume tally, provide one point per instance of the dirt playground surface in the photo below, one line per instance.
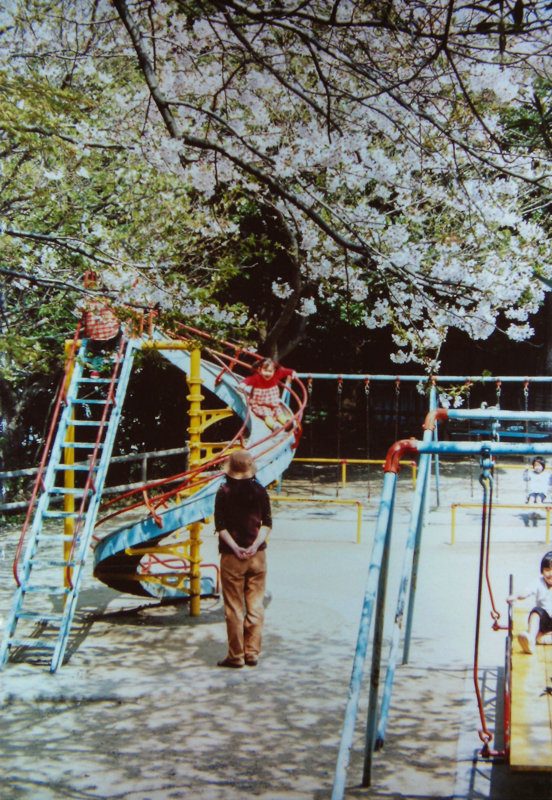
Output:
(141, 712)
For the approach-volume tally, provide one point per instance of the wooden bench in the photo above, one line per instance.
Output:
(531, 703)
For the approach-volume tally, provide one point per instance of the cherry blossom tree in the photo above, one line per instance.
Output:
(374, 136)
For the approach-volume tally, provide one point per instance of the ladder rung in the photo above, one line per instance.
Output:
(51, 563)
(82, 422)
(54, 537)
(62, 515)
(77, 467)
(97, 380)
(82, 445)
(90, 402)
(46, 589)
(31, 643)
(74, 492)
(38, 617)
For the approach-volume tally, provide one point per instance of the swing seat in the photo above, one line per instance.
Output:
(531, 703)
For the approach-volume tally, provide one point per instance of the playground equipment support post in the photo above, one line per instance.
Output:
(375, 583)
(195, 397)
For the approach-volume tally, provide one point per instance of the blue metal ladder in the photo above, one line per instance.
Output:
(50, 629)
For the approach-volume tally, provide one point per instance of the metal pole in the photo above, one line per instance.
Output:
(442, 378)
(495, 448)
(453, 524)
(418, 543)
(382, 527)
(195, 397)
(68, 481)
(437, 471)
(377, 647)
(413, 535)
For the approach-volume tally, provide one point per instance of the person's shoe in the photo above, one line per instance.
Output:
(227, 663)
(251, 662)
(527, 642)
(544, 638)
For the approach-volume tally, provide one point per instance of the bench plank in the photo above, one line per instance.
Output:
(531, 704)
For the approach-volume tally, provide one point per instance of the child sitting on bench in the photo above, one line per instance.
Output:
(539, 629)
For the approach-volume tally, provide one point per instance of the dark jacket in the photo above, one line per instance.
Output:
(241, 508)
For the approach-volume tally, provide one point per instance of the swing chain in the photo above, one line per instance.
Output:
(526, 395)
(367, 395)
(311, 421)
(397, 401)
(339, 422)
(468, 405)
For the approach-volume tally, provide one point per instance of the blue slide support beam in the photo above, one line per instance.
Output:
(417, 548)
(383, 528)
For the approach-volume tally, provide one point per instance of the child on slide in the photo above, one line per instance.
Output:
(538, 484)
(265, 395)
(539, 629)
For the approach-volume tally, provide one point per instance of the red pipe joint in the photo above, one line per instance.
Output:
(404, 447)
(432, 417)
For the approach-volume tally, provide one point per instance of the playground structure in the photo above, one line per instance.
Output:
(134, 559)
(131, 558)
(527, 723)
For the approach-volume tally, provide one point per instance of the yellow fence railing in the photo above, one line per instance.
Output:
(314, 501)
(345, 461)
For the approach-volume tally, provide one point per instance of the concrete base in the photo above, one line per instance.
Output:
(141, 711)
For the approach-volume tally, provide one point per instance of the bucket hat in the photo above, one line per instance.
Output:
(240, 466)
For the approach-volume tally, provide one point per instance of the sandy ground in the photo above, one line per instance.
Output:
(141, 711)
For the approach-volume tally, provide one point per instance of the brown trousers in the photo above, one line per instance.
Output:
(243, 582)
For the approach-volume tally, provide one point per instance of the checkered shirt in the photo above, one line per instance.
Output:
(100, 323)
(265, 402)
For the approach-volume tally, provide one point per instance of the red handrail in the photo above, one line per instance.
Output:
(189, 475)
(38, 481)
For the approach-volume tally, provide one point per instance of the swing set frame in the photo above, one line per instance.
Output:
(435, 383)
(376, 587)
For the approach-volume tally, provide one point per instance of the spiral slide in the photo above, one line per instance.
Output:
(119, 569)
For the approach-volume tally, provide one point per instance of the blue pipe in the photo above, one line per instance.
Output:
(415, 521)
(418, 543)
(441, 378)
(475, 448)
(491, 413)
(382, 529)
(377, 647)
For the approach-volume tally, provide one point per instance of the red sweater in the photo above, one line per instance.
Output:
(258, 382)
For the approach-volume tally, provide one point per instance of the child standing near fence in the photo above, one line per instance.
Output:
(265, 394)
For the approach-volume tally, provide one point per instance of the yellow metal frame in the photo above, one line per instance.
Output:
(200, 419)
(358, 504)
(345, 461)
(525, 507)
(195, 397)
(211, 449)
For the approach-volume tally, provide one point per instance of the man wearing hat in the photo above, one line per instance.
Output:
(243, 521)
